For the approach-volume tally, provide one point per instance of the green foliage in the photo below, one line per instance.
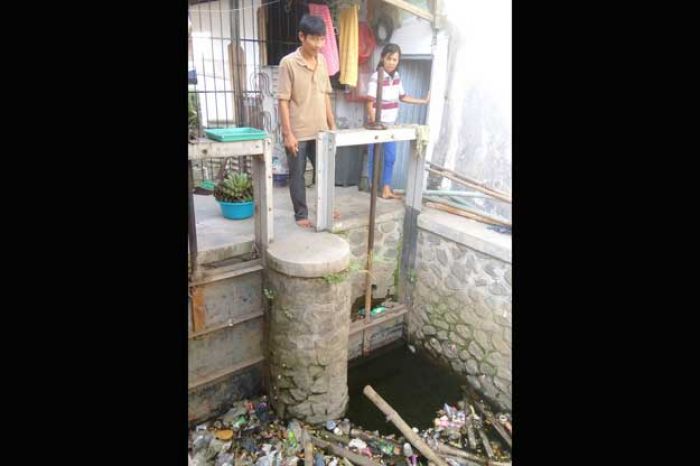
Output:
(236, 187)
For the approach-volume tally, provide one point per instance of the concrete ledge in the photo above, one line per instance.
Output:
(343, 225)
(468, 232)
(309, 254)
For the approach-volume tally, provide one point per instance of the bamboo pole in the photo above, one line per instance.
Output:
(469, 180)
(474, 186)
(400, 424)
(450, 193)
(468, 214)
(459, 204)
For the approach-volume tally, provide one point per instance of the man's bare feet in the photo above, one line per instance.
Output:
(305, 223)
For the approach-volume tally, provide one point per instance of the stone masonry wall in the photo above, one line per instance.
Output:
(462, 313)
(308, 346)
(387, 252)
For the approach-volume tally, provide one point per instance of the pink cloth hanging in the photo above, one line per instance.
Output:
(330, 50)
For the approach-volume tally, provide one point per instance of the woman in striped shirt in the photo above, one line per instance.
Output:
(392, 93)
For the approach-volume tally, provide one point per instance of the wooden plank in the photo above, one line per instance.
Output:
(262, 193)
(404, 5)
(198, 309)
(224, 372)
(367, 323)
(360, 137)
(214, 269)
(231, 323)
(216, 275)
(322, 221)
(208, 149)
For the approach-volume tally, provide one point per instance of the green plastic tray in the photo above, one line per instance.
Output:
(235, 134)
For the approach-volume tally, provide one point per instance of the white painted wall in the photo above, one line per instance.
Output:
(475, 135)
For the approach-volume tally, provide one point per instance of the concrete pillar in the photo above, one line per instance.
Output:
(309, 323)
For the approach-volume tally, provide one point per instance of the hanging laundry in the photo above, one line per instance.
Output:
(367, 42)
(349, 46)
(330, 50)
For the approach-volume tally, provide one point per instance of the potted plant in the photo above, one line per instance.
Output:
(235, 196)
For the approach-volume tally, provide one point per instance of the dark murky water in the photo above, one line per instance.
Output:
(413, 384)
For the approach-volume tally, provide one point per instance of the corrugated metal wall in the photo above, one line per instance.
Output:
(415, 76)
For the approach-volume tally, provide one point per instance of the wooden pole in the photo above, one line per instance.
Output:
(469, 180)
(468, 214)
(378, 156)
(308, 454)
(400, 424)
(459, 205)
(451, 451)
(336, 450)
(470, 434)
(491, 419)
(487, 444)
(368, 437)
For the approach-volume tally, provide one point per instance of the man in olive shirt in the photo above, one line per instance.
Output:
(305, 107)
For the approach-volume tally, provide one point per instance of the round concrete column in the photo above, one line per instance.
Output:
(309, 323)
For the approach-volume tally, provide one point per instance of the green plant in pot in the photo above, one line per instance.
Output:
(235, 196)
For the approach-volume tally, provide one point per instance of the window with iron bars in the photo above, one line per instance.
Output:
(230, 43)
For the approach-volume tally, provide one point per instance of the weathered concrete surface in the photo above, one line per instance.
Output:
(308, 339)
(309, 254)
(462, 297)
(219, 238)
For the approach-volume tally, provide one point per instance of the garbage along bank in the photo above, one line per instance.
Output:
(251, 434)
